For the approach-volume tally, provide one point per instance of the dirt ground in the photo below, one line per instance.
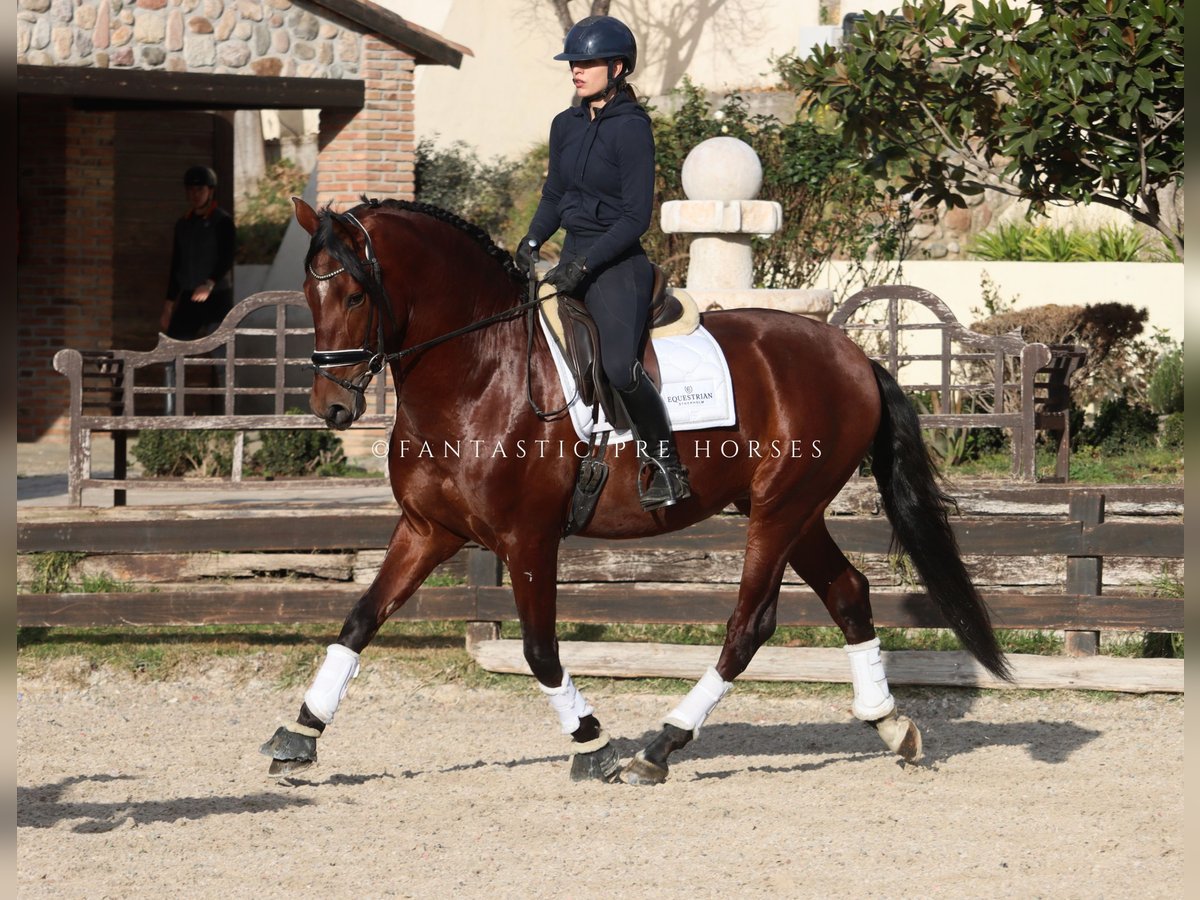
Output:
(133, 788)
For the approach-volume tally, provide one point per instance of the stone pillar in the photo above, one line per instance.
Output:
(721, 178)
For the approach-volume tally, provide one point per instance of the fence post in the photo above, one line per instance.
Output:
(483, 570)
(1085, 574)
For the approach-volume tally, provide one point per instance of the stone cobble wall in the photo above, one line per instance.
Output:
(259, 37)
(944, 233)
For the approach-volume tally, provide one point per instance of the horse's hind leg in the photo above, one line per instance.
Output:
(412, 554)
(750, 626)
(845, 592)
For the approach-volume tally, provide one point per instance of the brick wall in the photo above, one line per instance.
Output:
(372, 152)
(64, 270)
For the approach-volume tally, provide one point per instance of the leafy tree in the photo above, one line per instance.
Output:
(566, 18)
(1056, 101)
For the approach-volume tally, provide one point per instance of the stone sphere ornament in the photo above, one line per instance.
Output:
(722, 168)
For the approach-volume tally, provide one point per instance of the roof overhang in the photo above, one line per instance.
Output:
(425, 46)
(141, 89)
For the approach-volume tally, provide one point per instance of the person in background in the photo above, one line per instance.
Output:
(200, 288)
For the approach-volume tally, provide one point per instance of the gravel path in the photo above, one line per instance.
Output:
(131, 788)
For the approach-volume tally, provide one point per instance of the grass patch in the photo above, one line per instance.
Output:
(1151, 465)
(52, 575)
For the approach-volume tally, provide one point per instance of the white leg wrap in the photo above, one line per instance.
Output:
(700, 701)
(333, 678)
(568, 703)
(872, 699)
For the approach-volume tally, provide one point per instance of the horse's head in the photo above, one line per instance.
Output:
(352, 316)
(429, 255)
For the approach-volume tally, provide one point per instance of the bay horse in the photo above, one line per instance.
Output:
(415, 288)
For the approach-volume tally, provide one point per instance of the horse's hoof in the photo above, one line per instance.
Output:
(599, 765)
(288, 766)
(289, 751)
(641, 771)
(902, 736)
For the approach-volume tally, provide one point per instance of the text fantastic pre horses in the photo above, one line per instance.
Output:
(386, 280)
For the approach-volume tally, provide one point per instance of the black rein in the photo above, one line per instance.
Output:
(377, 359)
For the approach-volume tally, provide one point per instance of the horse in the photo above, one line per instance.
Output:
(417, 289)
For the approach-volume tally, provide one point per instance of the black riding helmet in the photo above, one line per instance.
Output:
(200, 176)
(601, 37)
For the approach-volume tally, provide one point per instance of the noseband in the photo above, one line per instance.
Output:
(376, 358)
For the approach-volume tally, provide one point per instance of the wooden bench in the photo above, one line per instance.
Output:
(246, 375)
(241, 378)
(983, 380)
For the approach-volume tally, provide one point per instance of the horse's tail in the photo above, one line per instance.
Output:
(917, 509)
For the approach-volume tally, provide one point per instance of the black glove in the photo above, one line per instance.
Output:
(569, 275)
(527, 254)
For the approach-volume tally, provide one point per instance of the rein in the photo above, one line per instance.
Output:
(377, 359)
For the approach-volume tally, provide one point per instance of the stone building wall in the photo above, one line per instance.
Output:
(68, 164)
(258, 37)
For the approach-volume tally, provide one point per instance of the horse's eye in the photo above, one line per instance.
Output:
(355, 299)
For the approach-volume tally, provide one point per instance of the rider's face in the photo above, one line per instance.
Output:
(590, 76)
(199, 195)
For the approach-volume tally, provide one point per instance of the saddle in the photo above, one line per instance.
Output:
(671, 312)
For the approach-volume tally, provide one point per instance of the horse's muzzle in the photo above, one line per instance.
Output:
(339, 417)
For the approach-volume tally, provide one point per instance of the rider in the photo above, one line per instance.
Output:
(600, 188)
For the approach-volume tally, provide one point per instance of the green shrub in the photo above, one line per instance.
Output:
(1166, 384)
(1018, 241)
(178, 453)
(264, 215)
(299, 451)
(1171, 435)
(1121, 426)
(1004, 243)
(455, 179)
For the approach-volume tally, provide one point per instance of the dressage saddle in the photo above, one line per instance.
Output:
(579, 341)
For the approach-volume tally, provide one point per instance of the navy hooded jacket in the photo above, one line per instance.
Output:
(600, 185)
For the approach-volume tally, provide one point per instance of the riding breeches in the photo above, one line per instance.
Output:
(618, 299)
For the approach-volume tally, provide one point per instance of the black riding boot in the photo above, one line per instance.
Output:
(651, 428)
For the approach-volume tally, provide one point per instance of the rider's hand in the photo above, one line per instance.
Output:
(527, 254)
(569, 275)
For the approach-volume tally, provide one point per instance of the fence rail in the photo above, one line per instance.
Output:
(651, 592)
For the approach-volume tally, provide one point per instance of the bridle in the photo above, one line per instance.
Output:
(376, 358)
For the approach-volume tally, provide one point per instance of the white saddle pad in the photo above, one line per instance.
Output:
(695, 385)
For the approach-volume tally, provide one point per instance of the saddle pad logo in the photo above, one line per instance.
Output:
(696, 392)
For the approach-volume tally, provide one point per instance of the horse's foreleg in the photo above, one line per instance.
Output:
(845, 592)
(534, 580)
(750, 626)
(412, 554)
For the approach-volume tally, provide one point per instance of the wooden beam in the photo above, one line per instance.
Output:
(600, 605)
(182, 90)
(425, 46)
(921, 667)
(241, 607)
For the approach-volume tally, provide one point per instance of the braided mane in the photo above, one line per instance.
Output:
(477, 234)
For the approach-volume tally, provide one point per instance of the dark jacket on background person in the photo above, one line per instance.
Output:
(203, 250)
(600, 185)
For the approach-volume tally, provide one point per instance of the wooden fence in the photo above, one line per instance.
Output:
(667, 579)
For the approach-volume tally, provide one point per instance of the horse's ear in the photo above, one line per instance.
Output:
(305, 215)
